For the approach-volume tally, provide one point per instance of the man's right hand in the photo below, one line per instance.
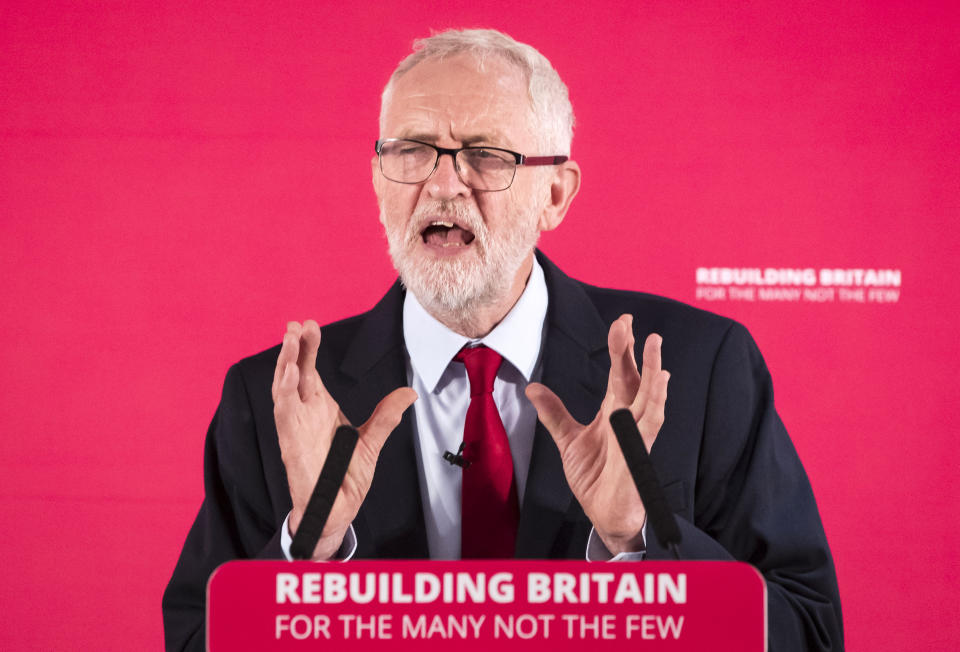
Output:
(307, 418)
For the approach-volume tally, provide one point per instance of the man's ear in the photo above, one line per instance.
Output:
(564, 184)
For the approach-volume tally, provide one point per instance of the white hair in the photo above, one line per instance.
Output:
(549, 100)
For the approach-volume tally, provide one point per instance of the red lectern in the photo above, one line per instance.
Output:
(479, 605)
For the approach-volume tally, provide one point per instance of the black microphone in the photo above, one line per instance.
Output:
(456, 459)
(324, 492)
(659, 515)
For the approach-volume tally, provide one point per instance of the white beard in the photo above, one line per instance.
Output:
(457, 287)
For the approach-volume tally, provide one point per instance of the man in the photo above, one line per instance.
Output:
(472, 164)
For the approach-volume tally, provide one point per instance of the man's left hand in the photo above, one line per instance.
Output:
(592, 460)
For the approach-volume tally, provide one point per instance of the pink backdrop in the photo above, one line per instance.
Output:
(179, 179)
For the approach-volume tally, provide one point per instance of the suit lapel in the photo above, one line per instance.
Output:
(575, 367)
(390, 522)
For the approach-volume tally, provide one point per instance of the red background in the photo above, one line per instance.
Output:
(179, 179)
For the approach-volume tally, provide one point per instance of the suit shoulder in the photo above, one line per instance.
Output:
(334, 339)
(658, 311)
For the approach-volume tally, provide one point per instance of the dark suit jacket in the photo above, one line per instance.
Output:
(727, 465)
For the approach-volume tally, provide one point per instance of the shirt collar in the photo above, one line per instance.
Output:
(517, 337)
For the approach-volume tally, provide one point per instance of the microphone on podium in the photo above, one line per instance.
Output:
(659, 515)
(324, 492)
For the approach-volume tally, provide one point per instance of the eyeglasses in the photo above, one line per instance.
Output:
(480, 168)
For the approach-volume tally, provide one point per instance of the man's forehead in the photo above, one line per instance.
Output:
(466, 63)
(459, 97)
(460, 133)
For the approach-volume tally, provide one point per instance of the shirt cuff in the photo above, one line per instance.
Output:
(347, 549)
(596, 551)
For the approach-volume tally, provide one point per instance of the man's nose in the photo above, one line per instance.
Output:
(445, 183)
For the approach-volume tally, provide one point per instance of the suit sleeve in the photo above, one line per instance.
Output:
(754, 503)
(236, 519)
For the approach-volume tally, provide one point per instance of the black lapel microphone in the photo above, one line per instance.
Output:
(456, 459)
(659, 515)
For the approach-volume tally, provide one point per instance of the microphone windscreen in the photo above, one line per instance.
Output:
(659, 515)
(324, 492)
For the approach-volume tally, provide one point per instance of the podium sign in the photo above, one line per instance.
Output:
(484, 605)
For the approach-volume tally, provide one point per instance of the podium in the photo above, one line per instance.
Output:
(492, 606)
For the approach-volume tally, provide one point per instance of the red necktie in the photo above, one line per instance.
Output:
(490, 507)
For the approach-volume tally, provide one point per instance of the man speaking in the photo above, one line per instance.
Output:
(512, 370)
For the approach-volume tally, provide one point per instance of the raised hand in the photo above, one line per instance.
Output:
(307, 418)
(592, 460)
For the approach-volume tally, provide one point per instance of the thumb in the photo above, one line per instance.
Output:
(386, 416)
(552, 414)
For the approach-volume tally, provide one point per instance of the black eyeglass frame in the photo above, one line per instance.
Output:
(519, 159)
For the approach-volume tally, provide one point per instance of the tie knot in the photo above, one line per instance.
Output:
(482, 364)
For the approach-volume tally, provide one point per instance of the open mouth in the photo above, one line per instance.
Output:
(440, 233)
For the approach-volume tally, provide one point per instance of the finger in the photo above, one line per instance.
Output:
(386, 416)
(286, 400)
(307, 360)
(651, 353)
(624, 379)
(289, 351)
(653, 412)
(651, 368)
(552, 414)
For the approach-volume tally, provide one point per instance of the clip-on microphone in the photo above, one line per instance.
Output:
(456, 459)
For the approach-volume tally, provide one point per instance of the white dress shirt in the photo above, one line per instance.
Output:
(444, 392)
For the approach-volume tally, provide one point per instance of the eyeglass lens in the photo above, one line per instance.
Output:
(482, 169)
